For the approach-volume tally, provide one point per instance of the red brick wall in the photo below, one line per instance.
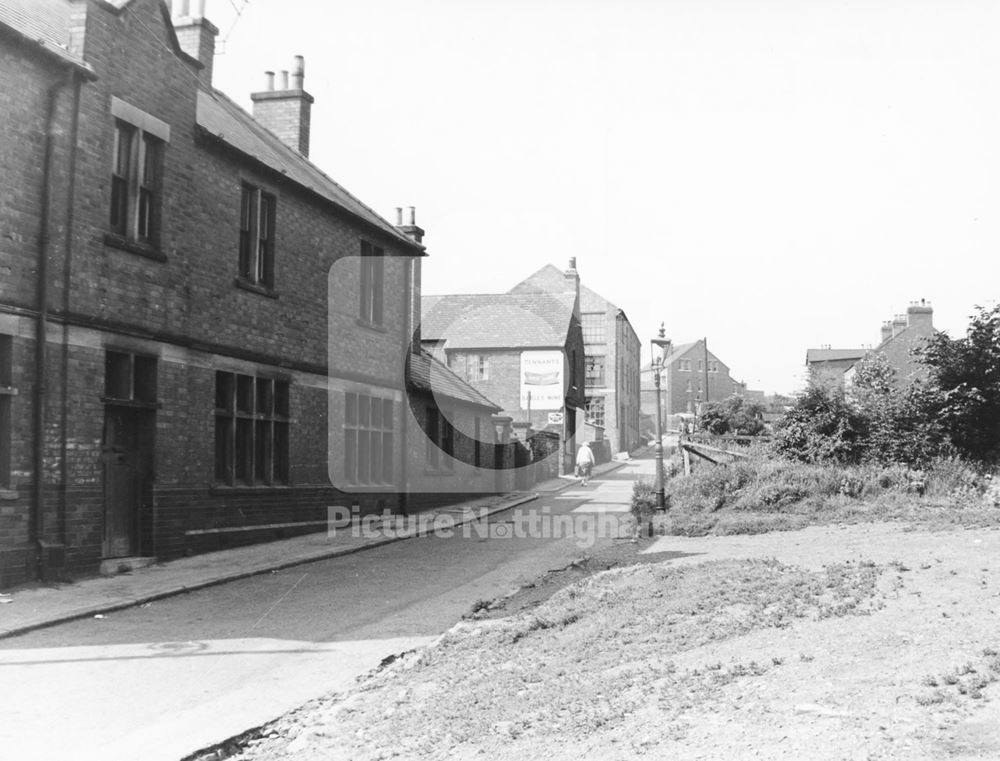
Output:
(463, 477)
(183, 308)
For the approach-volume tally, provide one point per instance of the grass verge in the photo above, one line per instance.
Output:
(762, 493)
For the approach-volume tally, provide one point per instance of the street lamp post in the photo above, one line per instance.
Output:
(661, 342)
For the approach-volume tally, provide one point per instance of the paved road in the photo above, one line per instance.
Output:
(161, 681)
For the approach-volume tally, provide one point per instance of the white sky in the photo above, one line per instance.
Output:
(774, 176)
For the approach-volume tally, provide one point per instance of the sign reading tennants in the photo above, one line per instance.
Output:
(542, 375)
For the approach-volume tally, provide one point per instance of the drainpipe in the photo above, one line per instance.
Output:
(42, 297)
(77, 82)
(404, 407)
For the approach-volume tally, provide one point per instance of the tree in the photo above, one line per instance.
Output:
(900, 422)
(822, 425)
(733, 415)
(964, 378)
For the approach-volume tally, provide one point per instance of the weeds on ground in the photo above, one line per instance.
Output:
(592, 658)
(762, 493)
(968, 679)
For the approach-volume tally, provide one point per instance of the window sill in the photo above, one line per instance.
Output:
(371, 325)
(219, 489)
(134, 247)
(135, 404)
(8, 495)
(261, 290)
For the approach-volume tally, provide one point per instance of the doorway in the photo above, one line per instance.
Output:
(127, 455)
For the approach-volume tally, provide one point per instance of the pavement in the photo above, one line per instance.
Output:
(35, 607)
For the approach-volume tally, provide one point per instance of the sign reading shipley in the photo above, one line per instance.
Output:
(542, 375)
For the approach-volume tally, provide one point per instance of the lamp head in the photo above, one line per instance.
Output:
(662, 342)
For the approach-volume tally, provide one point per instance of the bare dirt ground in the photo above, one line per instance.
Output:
(865, 641)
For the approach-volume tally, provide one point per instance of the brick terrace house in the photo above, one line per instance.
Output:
(691, 375)
(831, 368)
(826, 366)
(900, 336)
(524, 351)
(612, 351)
(226, 328)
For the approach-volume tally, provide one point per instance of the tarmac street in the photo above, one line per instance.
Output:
(165, 679)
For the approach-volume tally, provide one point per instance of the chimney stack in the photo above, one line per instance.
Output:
(920, 313)
(886, 330)
(196, 36)
(898, 324)
(287, 111)
(571, 274)
(411, 230)
(573, 281)
(414, 275)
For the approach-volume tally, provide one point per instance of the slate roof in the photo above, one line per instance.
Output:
(678, 352)
(45, 22)
(429, 375)
(832, 355)
(551, 279)
(222, 118)
(497, 320)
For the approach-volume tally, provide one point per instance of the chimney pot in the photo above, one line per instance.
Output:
(284, 111)
(411, 229)
(196, 36)
(572, 262)
(269, 80)
(298, 73)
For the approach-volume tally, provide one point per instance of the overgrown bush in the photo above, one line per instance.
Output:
(734, 415)
(821, 426)
(901, 422)
(965, 383)
(957, 408)
(643, 500)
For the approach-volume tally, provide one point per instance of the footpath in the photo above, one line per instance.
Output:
(37, 607)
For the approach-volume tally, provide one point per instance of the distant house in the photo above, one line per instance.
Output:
(522, 350)
(826, 366)
(612, 351)
(899, 337)
(691, 375)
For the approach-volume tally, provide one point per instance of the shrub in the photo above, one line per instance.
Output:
(734, 415)
(901, 424)
(643, 500)
(821, 426)
(965, 383)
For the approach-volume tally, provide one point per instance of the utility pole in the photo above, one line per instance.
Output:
(705, 339)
